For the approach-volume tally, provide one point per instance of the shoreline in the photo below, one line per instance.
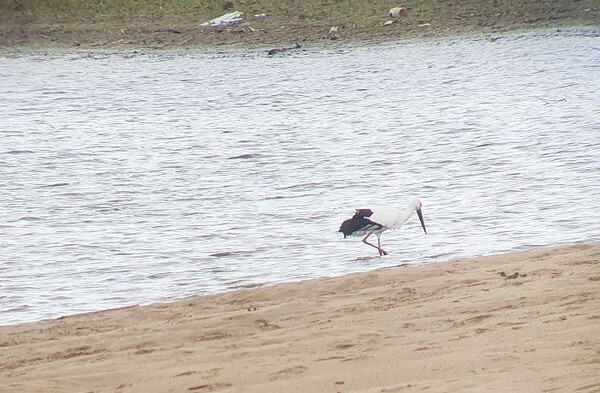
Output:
(524, 321)
(286, 46)
(288, 49)
(265, 285)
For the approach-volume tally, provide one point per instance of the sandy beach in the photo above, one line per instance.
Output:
(518, 322)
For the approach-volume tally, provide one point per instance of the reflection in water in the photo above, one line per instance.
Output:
(138, 178)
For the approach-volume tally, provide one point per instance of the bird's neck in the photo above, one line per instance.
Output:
(404, 215)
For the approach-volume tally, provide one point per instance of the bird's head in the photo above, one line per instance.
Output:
(417, 204)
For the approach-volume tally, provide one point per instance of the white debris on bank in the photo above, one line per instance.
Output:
(228, 19)
(398, 12)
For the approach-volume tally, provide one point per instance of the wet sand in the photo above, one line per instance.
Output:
(520, 322)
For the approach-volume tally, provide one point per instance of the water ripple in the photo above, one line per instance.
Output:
(135, 178)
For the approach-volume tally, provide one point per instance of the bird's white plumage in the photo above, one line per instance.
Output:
(392, 218)
(385, 215)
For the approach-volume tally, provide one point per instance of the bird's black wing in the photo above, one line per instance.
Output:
(359, 222)
(361, 213)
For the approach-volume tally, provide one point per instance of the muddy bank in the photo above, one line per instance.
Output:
(176, 23)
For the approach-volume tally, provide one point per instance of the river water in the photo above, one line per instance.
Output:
(131, 177)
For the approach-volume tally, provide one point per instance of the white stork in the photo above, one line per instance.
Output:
(377, 220)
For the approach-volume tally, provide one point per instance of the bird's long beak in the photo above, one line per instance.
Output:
(420, 214)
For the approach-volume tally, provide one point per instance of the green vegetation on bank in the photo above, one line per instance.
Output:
(175, 22)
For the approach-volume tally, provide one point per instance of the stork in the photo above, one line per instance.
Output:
(377, 220)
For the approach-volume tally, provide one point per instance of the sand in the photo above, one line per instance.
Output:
(518, 322)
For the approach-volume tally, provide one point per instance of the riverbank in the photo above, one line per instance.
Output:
(176, 23)
(525, 321)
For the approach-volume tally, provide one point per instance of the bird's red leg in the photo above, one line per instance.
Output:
(366, 242)
(381, 252)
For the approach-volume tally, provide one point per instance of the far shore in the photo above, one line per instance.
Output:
(176, 24)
